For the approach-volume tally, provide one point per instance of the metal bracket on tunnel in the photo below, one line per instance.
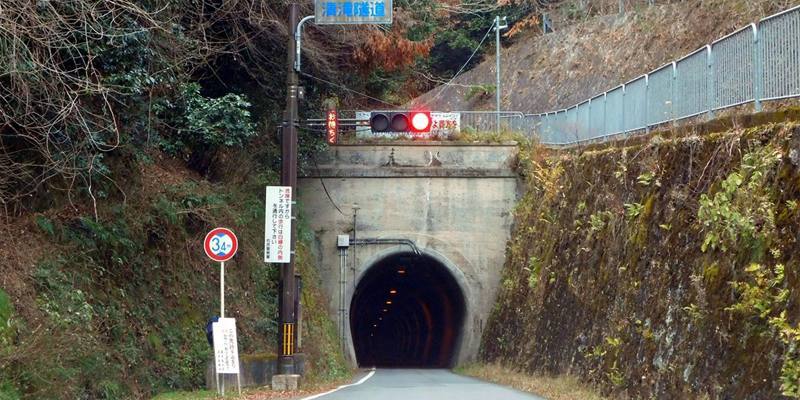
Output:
(408, 242)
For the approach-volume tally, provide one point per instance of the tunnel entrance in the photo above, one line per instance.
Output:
(407, 311)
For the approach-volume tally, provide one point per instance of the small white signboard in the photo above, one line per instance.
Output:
(445, 124)
(226, 348)
(277, 240)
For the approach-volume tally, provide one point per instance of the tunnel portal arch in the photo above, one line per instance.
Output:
(408, 310)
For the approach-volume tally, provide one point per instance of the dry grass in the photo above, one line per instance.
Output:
(561, 387)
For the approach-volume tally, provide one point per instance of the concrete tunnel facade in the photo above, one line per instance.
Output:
(441, 214)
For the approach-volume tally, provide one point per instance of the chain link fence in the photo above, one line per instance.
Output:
(757, 63)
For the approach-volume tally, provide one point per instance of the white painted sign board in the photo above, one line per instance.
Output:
(226, 348)
(278, 225)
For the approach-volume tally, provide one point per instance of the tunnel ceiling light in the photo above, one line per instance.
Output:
(401, 271)
(393, 291)
(385, 310)
(380, 318)
(388, 302)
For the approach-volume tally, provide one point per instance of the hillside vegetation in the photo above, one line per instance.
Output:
(594, 52)
(116, 307)
(666, 268)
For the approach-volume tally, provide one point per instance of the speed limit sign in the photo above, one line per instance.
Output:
(220, 244)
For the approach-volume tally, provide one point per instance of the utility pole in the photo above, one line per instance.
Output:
(497, 28)
(288, 318)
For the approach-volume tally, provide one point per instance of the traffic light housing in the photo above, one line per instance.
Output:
(400, 121)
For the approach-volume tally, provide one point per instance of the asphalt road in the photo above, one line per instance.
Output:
(423, 384)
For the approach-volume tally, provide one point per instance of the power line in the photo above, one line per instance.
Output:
(348, 89)
(460, 70)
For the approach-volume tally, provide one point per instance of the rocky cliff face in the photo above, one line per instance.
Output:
(663, 269)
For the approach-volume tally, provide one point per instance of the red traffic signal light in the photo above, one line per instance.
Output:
(402, 121)
(421, 121)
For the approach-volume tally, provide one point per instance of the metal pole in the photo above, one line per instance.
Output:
(222, 289)
(497, 86)
(219, 388)
(342, 269)
(298, 38)
(758, 64)
(289, 178)
(355, 231)
(221, 312)
(497, 28)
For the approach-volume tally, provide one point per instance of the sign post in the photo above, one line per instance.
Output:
(221, 245)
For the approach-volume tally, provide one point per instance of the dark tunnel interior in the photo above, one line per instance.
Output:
(407, 312)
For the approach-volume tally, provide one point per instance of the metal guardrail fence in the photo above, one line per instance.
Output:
(757, 63)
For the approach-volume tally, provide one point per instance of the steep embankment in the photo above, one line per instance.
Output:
(665, 269)
(544, 73)
(115, 306)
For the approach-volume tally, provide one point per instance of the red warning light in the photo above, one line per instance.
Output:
(421, 121)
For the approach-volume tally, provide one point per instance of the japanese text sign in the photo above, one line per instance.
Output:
(353, 12)
(277, 240)
(226, 348)
(332, 126)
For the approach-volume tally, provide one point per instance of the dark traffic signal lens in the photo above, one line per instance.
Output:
(379, 122)
(400, 123)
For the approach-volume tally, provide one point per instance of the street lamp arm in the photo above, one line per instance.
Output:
(298, 38)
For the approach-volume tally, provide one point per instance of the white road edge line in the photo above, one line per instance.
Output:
(360, 381)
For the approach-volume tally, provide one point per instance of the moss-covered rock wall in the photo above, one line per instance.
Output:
(664, 269)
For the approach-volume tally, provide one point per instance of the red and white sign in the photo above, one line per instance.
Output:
(220, 244)
(332, 126)
(278, 229)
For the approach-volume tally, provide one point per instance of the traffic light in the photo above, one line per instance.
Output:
(401, 121)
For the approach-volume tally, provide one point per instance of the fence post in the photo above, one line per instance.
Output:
(758, 69)
(589, 120)
(577, 125)
(622, 114)
(711, 97)
(647, 103)
(673, 93)
(605, 131)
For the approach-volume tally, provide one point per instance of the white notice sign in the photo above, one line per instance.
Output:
(277, 240)
(226, 348)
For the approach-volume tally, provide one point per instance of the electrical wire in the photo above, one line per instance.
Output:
(460, 70)
(348, 89)
(324, 187)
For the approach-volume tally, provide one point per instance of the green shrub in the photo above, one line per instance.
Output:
(741, 211)
(203, 125)
(480, 91)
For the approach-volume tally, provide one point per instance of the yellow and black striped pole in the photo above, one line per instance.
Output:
(288, 340)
